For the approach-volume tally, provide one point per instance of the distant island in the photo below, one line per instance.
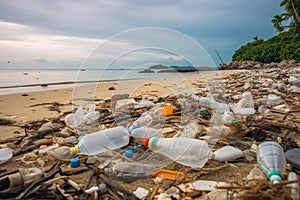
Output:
(165, 69)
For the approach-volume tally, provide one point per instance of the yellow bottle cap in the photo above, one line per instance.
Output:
(73, 150)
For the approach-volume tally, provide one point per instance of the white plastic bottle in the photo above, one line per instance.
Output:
(94, 143)
(129, 172)
(101, 141)
(271, 159)
(186, 151)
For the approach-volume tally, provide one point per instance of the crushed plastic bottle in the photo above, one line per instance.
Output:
(5, 155)
(273, 100)
(245, 106)
(271, 160)
(186, 151)
(128, 172)
(95, 143)
(83, 120)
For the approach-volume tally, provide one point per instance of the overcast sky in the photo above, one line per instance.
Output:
(64, 33)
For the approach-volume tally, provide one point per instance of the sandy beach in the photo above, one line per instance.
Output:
(23, 114)
(34, 106)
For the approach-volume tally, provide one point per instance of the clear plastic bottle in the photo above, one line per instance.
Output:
(271, 160)
(186, 151)
(245, 106)
(101, 141)
(94, 143)
(129, 172)
(151, 118)
(144, 132)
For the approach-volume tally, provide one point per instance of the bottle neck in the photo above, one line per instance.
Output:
(275, 176)
(152, 144)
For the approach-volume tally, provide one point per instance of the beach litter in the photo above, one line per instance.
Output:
(98, 153)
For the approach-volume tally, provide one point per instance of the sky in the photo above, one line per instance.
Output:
(126, 33)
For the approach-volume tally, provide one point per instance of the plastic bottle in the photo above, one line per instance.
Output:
(271, 160)
(94, 143)
(101, 141)
(83, 120)
(144, 132)
(245, 106)
(186, 151)
(5, 155)
(129, 172)
(148, 118)
(294, 186)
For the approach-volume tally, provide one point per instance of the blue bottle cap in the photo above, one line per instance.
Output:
(75, 162)
(129, 153)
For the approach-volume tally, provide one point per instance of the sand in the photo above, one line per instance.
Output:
(34, 106)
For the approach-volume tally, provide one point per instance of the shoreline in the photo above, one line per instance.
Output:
(40, 87)
(20, 104)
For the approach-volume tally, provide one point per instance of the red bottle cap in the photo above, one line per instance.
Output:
(145, 142)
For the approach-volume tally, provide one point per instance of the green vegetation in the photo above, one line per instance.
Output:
(286, 45)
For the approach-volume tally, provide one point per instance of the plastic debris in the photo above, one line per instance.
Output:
(271, 160)
(171, 175)
(141, 193)
(5, 155)
(245, 106)
(129, 172)
(227, 153)
(203, 185)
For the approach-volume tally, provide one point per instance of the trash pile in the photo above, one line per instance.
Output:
(240, 142)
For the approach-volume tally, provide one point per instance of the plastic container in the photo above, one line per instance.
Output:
(271, 159)
(186, 151)
(245, 106)
(129, 172)
(94, 143)
(101, 141)
(5, 155)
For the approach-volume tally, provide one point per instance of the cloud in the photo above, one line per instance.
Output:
(67, 30)
(40, 60)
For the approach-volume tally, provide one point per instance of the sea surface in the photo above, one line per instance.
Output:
(17, 81)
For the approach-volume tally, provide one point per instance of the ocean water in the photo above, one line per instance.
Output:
(17, 81)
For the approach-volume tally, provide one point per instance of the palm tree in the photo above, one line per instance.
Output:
(292, 8)
(277, 22)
